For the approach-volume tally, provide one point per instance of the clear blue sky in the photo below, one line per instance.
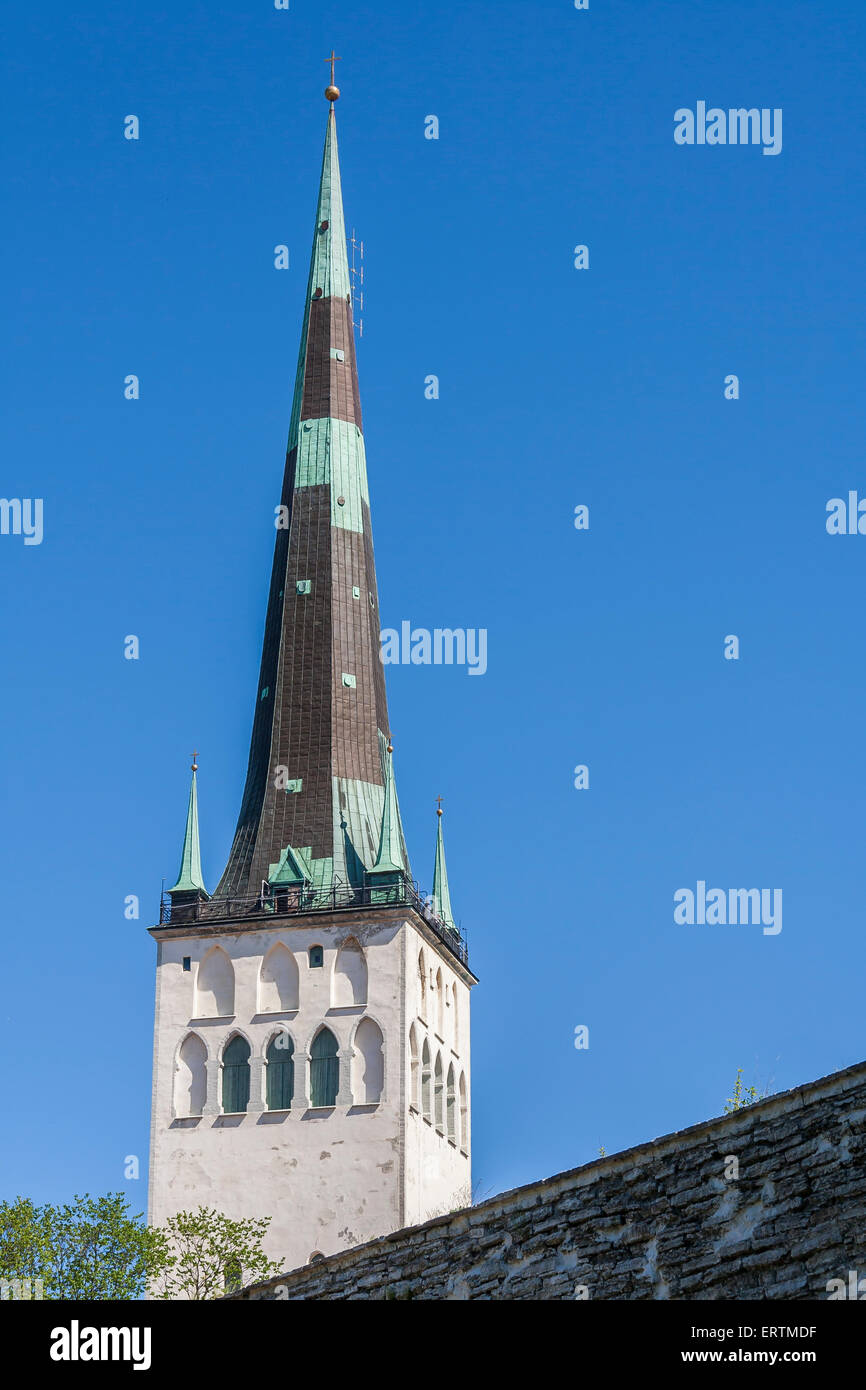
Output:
(558, 387)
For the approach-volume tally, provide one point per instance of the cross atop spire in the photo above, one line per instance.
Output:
(331, 92)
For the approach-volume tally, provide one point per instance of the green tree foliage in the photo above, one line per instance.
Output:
(209, 1255)
(92, 1248)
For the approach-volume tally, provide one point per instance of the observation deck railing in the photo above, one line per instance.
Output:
(281, 902)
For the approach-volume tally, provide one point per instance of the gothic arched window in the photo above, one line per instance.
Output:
(324, 1069)
(280, 1072)
(236, 1076)
(464, 1115)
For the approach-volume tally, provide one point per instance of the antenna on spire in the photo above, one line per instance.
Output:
(356, 273)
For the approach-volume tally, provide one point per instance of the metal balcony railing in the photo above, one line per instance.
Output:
(296, 902)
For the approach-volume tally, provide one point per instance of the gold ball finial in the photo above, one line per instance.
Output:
(332, 93)
(390, 745)
(194, 763)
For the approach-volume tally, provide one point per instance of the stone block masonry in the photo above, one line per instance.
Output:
(765, 1203)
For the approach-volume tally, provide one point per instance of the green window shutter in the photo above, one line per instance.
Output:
(280, 1082)
(236, 1076)
(324, 1069)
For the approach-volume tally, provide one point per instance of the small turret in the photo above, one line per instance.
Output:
(441, 894)
(189, 889)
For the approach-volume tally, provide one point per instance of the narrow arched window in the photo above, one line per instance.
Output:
(317, 957)
(280, 1072)
(426, 1082)
(440, 1005)
(438, 1096)
(324, 1069)
(236, 1076)
(464, 1115)
(455, 1018)
(451, 1107)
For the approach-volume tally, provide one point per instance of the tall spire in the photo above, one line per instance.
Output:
(189, 879)
(318, 764)
(441, 895)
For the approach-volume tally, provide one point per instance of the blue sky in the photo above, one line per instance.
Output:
(558, 387)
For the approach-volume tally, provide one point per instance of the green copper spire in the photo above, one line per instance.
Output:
(321, 712)
(389, 860)
(441, 895)
(190, 879)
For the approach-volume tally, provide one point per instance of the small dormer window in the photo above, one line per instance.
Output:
(317, 957)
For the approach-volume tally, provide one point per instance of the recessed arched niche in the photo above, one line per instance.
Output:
(414, 1070)
(368, 1064)
(438, 1095)
(215, 986)
(190, 1078)
(278, 981)
(426, 1082)
(349, 981)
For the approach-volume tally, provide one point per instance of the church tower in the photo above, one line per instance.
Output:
(311, 1037)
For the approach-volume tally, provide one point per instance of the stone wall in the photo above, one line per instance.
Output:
(665, 1220)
